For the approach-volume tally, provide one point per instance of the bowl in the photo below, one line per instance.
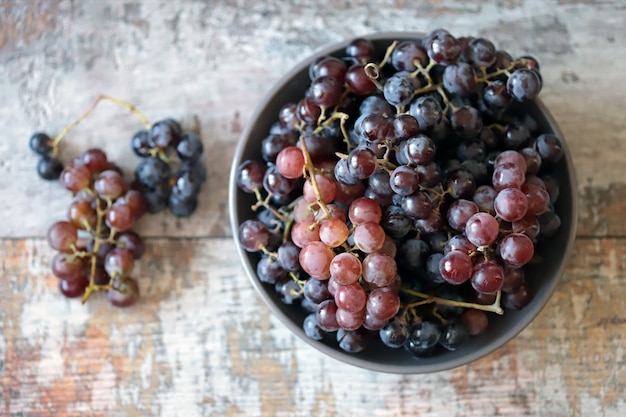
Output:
(544, 275)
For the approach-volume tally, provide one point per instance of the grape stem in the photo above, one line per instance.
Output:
(94, 254)
(122, 103)
(427, 299)
(309, 171)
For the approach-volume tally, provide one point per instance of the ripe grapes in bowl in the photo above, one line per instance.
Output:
(404, 202)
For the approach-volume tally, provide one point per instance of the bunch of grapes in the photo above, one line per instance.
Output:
(96, 245)
(402, 197)
(171, 174)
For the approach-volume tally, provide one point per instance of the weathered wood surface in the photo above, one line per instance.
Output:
(200, 342)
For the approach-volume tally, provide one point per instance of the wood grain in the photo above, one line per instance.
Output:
(228, 356)
(200, 342)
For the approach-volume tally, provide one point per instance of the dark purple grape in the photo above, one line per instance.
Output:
(358, 82)
(523, 84)
(362, 50)
(395, 222)
(311, 328)
(182, 207)
(417, 205)
(406, 54)
(165, 133)
(459, 79)
(49, 168)
(480, 52)
(308, 111)
(454, 334)
(461, 184)
(253, 235)
(152, 171)
(190, 148)
(405, 126)
(395, 333)
(549, 147)
(399, 89)
(329, 66)
(466, 122)
(141, 143)
(442, 47)
(427, 111)
(404, 180)
(496, 97)
(423, 338)
(41, 144)
(325, 91)
(375, 104)
(362, 163)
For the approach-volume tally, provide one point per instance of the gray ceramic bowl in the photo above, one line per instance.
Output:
(543, 277)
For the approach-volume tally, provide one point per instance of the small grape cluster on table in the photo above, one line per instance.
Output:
(97, 247)
(402, 196)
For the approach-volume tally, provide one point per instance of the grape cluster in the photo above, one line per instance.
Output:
(403, 196)
(96, 246)
(171, 173)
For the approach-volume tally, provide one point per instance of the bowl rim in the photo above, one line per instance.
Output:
(539, 300)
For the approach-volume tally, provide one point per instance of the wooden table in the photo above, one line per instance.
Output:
(200, 342)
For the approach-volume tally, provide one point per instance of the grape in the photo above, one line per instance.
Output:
(395, 223)
(484, 197)
(190, 148)
(513, 278)
(253, 235)
(423, 338)
(82, 214)
(427, 111)
(523, 84)
(358, 82)
(516, 249)
(350, 298)
(325, 91)
(511, 204)
(62, 236)
(333, 232)
(375, 104)
(482, 229)
(316, 290)
(311, 328)
(361, 49)
(289, 293)
(305, 231)
(72, 289)
(270, 271)
(417, 205)
(466, 122)
(109, 185)
(461, 184)
(95, 160)
(130, 240)
(315, 259)
(326, 187)
(487, 277)
(152, 171)
(405, 126)
(383, 303)
(126, 293)
(528, 225)
(496, 97)
(516, 135)
(480, 52)
(75, 178)
(352, 341)
(68, 267)
(362, 163)
(461, 243)
(406, 54)
(518, 298)
(537, 198)
(511, 157)
(40, 143)
(442, 47)
(329, 66)
(165, 133)
(49, 168)
(459, 78)
(419, 150)
(476, 321)
(120, 216)
(274, 182)
(549, 148)
(507, 175)
(326, 316)
(399, 89)
(290, 162)
(369, 237)
(459, 212)
(363, 210)
(453, 335)
(395, 333)
(429, 225)
(141, 144)
(379, 269)
(533, 160)
(455, 267)
(404, 180)
(119, 262)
